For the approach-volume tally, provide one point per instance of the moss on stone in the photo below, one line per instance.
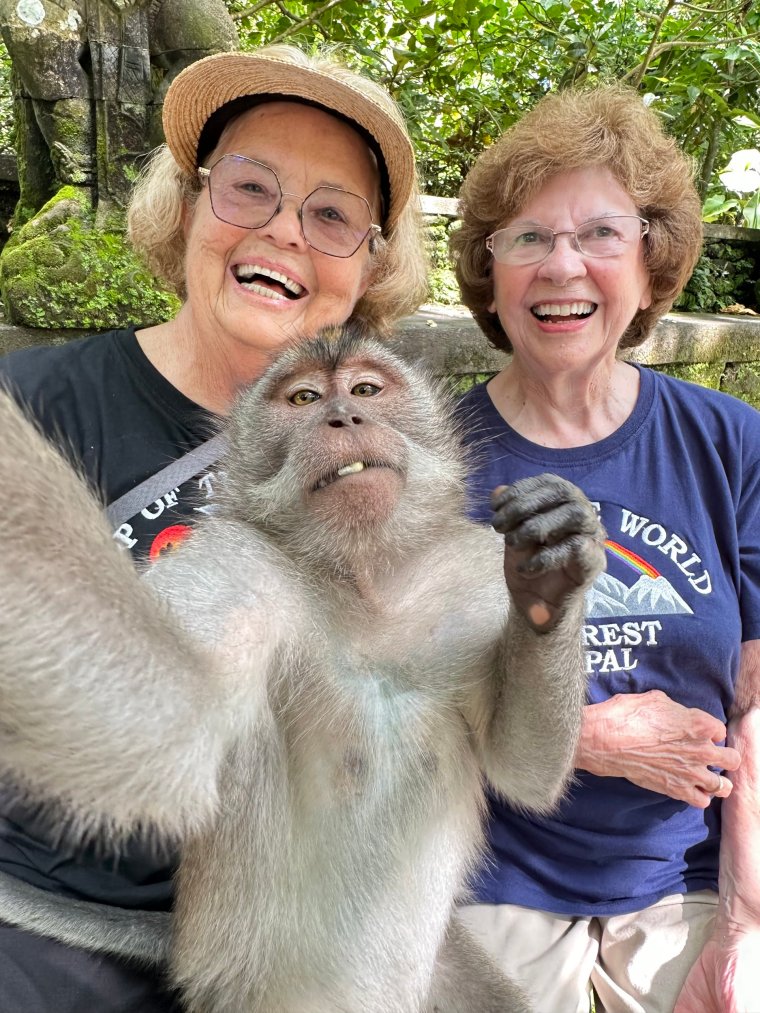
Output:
(706, 374)
(459, 385)
(742, 379)
(59, 271)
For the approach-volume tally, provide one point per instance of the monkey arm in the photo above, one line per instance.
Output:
(724, 978)
(553, 551)
(465, 978)
(105, 703)
(530, 728)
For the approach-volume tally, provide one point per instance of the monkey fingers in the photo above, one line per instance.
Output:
(543, 510)
(541, 582)
(569, 556)
(553, 545)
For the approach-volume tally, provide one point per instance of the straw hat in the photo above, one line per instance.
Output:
(207, 85)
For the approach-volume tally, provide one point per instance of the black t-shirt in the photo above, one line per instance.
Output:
(120, 421)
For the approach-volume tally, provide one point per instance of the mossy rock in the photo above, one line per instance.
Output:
(60, 271)
(742, 379)
(706, 374)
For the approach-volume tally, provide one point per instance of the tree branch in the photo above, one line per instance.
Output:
(682, 44)
(254, 9)
(642, 68)
(731, 9)
(708, 164)
(537, 20)
(305, 21)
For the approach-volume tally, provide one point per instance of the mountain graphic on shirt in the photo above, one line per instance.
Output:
(649, 596)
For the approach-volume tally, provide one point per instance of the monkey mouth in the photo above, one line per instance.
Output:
(353, 468)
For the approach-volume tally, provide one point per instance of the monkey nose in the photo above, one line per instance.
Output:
(341, 417)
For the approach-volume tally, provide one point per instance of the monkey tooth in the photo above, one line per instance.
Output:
(347, 469)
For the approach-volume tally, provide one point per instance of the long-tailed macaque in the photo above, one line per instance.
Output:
(312, 690)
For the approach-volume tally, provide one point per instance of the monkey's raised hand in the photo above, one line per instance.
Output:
(554, 545)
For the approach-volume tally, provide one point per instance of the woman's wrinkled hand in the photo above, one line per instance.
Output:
(724, 979)
(658, 744)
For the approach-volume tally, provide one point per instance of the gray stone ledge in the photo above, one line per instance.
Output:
(449, 341)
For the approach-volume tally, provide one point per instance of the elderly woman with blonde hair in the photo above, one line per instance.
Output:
(283, 202)
(579, 228)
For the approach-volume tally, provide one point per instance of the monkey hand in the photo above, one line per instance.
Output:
(554, 545)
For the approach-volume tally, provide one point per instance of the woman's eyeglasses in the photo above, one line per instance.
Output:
(602, 237)
(248, 194)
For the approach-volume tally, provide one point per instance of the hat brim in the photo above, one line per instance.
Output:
(208, 84)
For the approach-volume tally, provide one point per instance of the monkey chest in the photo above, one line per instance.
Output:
(369, 735)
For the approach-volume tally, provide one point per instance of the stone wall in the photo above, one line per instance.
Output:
(717, 350)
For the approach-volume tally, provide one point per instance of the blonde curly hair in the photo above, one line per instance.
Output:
(164, 192)
(606, 126)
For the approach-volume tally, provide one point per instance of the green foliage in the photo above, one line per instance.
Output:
(723, 276)
(459, 385)
(706, 374)
(443, 285)
(6, 103)
(463, 72)
(742, 379)
(59, 271)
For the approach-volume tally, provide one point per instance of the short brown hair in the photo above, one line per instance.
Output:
(606, 126)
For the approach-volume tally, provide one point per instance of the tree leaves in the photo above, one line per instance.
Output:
(464, 71)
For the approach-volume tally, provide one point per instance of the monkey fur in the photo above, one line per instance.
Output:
(313, 689)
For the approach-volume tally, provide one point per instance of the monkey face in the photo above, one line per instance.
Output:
(340, 418)
(346, 439)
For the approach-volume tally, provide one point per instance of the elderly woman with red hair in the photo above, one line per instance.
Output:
(579, 228)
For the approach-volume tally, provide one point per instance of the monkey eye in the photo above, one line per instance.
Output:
(303, 397)
(365, 390)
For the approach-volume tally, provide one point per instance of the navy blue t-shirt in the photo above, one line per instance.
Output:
(677, 487)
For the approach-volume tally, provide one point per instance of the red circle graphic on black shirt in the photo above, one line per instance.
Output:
(169, 539)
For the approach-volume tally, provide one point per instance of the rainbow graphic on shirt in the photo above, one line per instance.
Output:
(651, 594)
(634, 561)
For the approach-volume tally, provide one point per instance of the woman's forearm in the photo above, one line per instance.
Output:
(739, 908)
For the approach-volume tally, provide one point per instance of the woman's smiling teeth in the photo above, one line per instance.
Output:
(544, 310)
(265, 281)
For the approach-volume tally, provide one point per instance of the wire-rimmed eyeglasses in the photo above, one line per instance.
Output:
(248, 194)
(609, 236)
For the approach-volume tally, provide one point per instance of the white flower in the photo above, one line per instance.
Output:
(742, 174)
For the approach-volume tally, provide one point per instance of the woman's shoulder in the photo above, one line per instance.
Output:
(708, 406)
(45, 376)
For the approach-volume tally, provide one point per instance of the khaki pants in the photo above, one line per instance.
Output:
(635, 963)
